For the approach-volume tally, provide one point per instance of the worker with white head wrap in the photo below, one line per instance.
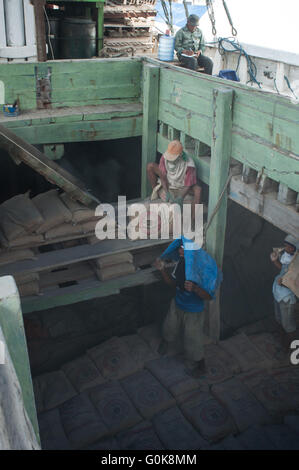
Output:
(284, 298)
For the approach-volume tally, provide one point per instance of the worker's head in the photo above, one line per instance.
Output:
(192, 22)
(291, 244)
(174, 150)
(181, 251)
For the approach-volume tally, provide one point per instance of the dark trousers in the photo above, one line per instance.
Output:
(194, 62)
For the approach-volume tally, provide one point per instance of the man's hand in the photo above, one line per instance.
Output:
(158, 264)
(274, 256)
(187, 52)
(279, 281)
(189, 286)
(198, 53)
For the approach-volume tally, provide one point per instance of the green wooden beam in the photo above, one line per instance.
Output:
(219, 171)
(151, 75)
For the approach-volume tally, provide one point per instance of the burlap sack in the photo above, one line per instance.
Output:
(108, 443)
(26, 240)
(113, 272)
(293, 422)
(171, 372)
(175, 432)
(271, 347)
(113, 359)
(245, 409)
(114, 406)
(64, 230)
(19, 216)
(82, 373)
(89, 227)
(151, 334)
(219, 365)
(29, 288)
(282, 437)
(80, 213)
(208, 416)
(244, 352)
(140, 437)
(81, 421)
(291, 278)
(255, 438)
(51, 390)
(273, 396)
(147, 394)
(139, 350)
(52, 209)
(16, 255)
(288, 379)
(52, 434)
(112, 260)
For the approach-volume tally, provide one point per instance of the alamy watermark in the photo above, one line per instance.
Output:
(152, 221)
(294, 359)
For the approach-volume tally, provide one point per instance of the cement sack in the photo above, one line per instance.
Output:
(293, 422)
(64, 230)
(282, 437)
(220, 365)
(16, 255)
(288, 378)
(240, 403)
(255, 438)
(81, 421)
(93, 240)
(89, 227)
(231, 443)
(113, 359)
(82, 373)
(291, 278)
(140, 437)
(29, 288)
(112, 260)
(113, 272)
(22, 278)
(108, 443)
(244, 352)
(208, 416)
(52, 209)
(176, 433)
(270, 345)
(147, 394)
(114, 406)
(51, 431)
(51, 390)
(19, 216)
(171, 372)
(139, 350)
(26, 240)
(80, 213)
(274, 396)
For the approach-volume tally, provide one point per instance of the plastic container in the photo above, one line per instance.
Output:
(229, 75)
(10, 110)
(78, 38)
(166, 48)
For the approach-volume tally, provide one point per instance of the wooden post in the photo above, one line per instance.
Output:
(100, 7)
(40, 28)
(151, 76)
(219, 170)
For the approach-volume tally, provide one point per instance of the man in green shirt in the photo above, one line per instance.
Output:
(190, 45)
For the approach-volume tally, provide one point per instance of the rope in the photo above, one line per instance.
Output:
(289, 85)
(117, 52)
(216, 208)
(235, 46)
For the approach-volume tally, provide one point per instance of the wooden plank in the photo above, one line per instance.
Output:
(285, 217)
(40, 29)
(67, 256)
(151, 75)
(61, 275)
(43, 165)
(82, 131)
(219, 170)
(85, 290)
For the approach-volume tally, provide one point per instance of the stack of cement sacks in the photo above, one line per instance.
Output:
(113, 266)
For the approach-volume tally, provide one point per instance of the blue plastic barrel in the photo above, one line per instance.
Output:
(166, 48)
